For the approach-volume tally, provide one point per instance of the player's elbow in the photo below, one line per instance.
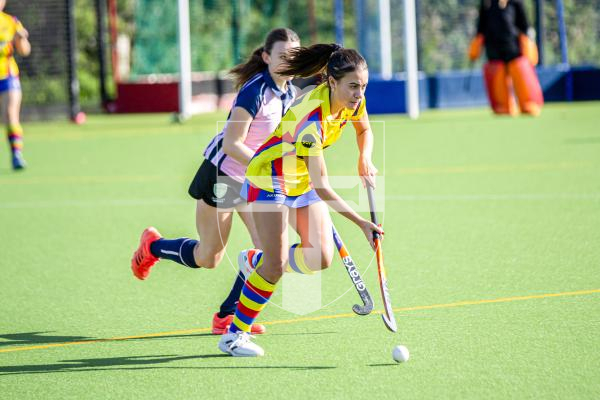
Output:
(227, 147)
(24, 50)
(323, 191)
(22, 46)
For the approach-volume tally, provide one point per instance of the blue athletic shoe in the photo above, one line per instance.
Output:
(18, 162)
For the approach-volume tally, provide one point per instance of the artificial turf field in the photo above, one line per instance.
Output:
(492, 251)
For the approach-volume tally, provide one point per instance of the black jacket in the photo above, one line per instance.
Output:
(501, 28)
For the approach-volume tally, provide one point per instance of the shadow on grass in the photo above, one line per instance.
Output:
(131, 363)
(38, 338)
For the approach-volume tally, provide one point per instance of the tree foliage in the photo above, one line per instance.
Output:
(445, 28)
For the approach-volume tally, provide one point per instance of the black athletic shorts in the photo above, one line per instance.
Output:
(215, 187)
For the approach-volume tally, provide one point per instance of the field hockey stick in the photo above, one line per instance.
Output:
(388, 315)
(359, 285)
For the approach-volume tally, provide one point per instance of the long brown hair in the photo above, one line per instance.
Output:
(243, 72)
(329, 59)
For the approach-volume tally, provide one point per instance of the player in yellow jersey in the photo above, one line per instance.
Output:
(263, 98)
(13, 36)
(286, 181)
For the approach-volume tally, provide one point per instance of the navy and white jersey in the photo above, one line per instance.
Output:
(267, 104)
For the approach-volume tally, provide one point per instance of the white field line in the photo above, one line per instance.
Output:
(95, 203)
(457, 169)
(496, 197)
(57, 180)
(391, 198)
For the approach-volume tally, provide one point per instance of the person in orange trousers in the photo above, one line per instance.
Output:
(502, 29)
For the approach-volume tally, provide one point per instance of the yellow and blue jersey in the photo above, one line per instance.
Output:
(305, 130)
(9, 26)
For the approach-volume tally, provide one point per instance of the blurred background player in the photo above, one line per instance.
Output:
(287, 183)
(263, 98)
(502, 28)
(13, 36)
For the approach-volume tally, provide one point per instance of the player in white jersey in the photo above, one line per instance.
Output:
(263, 98)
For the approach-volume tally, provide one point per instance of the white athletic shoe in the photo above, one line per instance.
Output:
(245, 261)
(239, 345)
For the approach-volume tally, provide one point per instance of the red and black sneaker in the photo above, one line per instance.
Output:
(143, 259)
(221, 325)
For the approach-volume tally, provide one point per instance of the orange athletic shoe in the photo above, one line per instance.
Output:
(221, 325)
(143, 259)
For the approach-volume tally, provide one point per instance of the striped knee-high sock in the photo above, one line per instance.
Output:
(296, 261)
(15, 137)
(255, 296)
(229, 305)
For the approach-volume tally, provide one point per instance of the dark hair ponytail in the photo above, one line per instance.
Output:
(327, 59)
(251, 67)
(307, 61)
(243, 72)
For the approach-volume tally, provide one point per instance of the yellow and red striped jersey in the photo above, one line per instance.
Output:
(9, 26)
(305, 130)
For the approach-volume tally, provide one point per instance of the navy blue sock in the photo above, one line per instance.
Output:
(229, 305)
(179, 250)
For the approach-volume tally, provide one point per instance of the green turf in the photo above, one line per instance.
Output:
(477, 207)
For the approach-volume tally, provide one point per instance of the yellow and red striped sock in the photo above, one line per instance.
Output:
(254, 297)
(15, 137)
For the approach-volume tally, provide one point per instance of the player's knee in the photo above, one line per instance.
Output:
(208, 258)
(210, 263)
(213, 261)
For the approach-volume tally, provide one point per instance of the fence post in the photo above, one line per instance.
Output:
(564, 50)
(539, 29)
(101, 43)
(73, 81)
